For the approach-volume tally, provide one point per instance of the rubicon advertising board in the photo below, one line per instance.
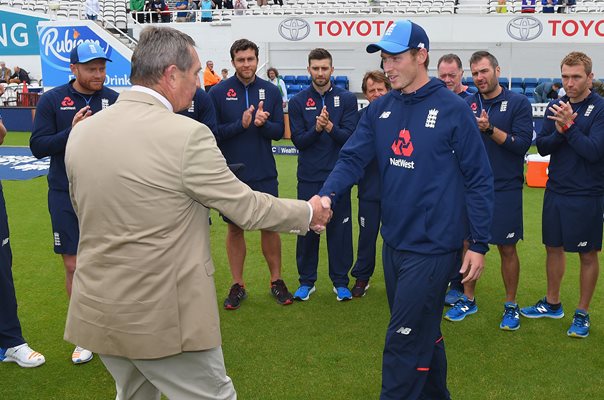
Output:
(56, 43)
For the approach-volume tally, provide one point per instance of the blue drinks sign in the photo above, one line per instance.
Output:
(18, 34)
(56, 43)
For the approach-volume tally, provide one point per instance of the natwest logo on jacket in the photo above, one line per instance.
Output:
(67, 103)
(231, 94)
(311, 104)
(403, 145)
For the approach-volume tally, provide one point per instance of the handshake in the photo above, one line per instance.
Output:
(321, 208)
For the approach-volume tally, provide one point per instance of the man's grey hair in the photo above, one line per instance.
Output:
(157, 49)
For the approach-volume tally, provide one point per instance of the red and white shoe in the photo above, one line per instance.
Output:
(80, 355)
(24, 356)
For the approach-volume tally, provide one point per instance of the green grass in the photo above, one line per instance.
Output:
(321, 349)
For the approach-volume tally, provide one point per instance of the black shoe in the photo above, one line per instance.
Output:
(360, 288)
(236, 295)
(280, 293)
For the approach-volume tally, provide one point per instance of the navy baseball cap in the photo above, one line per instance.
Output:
(86, 52)
(401, 36)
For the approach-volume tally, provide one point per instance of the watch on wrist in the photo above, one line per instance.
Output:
(489, 131)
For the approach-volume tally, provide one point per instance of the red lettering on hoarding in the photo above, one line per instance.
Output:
(567, 32)
(573, 28)
(367, 28)
(350, 28)
(334, 33)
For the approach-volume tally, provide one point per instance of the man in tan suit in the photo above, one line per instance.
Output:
(142, 180)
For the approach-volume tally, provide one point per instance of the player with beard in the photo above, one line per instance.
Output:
(58, 111)
(505, 120)
(322, 118)
(250, 117)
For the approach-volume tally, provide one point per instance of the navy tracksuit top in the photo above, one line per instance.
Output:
(369, 185)
(576, 164)
(319, 150)
(512, 113)
(434, 171)
(251, 146)
(52, 126)
(202, 110)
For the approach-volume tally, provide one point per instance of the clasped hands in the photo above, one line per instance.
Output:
(321, 207)
(563, 115)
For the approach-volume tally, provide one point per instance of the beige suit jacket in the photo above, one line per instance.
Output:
(141, 181)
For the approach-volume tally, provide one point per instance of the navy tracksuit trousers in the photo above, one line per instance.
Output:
(414, 363)
(369, 227)
(339, 241)
(10, 328)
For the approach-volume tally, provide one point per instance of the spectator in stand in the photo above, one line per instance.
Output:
(501, 7)
(193, 5)
(597, 87)
(206, 16)
(546, 91)
(159, 8)
(262, 3)
(239, 6)
(225, 74)
(228, 4)
(217, 4)
(570, 3)
(19, 76)
(322, 117)
(182, 16)
(528, 6)
(4, 72)
(273, 77)
(13, 347)
(137, 7)
(375, 84)
(210, 77)
(92, 9)
(450, 71)
(549, 6)
(279, 2)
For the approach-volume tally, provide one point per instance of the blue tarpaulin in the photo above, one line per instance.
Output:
(17, 163)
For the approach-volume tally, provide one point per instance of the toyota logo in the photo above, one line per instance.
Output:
(524, 28)
(294, 29)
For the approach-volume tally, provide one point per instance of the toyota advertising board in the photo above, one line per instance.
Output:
(536, 28)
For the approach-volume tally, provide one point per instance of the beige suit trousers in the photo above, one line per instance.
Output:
(195, 375)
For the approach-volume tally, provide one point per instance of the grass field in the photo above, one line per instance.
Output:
(320, 349)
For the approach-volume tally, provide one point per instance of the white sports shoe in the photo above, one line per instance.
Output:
(23, 355)
(80, 355)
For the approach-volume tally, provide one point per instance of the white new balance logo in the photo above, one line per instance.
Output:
(542, 309)
(404, 331)
(510, 235)
(582, 244)
(465, 308)
(385, 114)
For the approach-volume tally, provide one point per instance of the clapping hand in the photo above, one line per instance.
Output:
(246, 118)
(261, 115)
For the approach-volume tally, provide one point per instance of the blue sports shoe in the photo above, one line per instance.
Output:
(542, 310)
(511, 317)
(452, 296)
(303, 293)
(342, 293)
(462, 308)
(580, 325)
